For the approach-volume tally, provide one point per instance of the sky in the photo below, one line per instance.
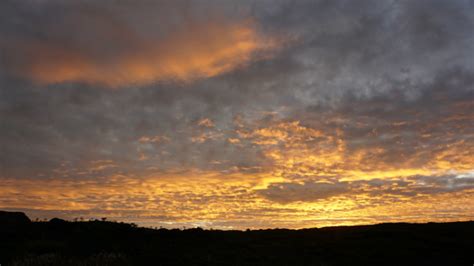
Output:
(238, 114)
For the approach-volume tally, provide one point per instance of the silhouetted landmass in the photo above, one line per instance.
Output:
(13, 218)
(60, 242)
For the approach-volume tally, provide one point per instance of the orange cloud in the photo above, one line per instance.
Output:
(206, 122)
(232, 201)
(201, 50)
(312, 177)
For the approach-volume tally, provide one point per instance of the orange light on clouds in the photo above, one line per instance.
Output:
(312, 180)
(199, 51)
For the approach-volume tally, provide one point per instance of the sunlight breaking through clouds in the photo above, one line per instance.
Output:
(231, 115)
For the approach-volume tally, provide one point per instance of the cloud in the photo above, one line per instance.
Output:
(311, 191)
(369, 105)
(206, 122)
(106, 49)
(402, 187)
(215, 199)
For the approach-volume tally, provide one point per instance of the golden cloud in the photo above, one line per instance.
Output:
(214, 199)
(203, 50)
(314, 178)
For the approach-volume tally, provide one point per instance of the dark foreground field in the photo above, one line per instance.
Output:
(106, 243)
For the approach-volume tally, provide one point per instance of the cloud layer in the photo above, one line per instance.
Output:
(90, 44)
(235, 115)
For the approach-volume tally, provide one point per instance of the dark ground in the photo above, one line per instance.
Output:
(107, 243)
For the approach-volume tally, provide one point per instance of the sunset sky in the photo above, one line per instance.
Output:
(238, 114)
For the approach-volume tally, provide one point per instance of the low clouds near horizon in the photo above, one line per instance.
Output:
(234, 115)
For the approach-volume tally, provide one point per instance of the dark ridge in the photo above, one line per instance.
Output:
(60, 242)
(13, 217)
(11, 220)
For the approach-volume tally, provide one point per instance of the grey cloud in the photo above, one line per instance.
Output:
(366, 47)
(412, 186)
(373, 61)
(290, 192)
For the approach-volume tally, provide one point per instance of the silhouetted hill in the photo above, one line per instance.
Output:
(13, 218)
(59, 242)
